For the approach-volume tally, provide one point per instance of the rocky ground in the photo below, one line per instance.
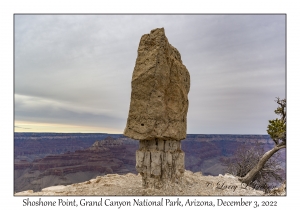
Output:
(131, 185)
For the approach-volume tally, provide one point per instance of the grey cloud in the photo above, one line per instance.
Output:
(82, 65)
(21, 127)
(47, 111)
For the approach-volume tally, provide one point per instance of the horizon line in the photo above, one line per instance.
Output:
(124, 135)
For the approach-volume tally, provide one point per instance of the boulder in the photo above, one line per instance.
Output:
(160, 85)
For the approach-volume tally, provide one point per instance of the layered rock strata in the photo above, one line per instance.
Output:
(158, 109)
(160, 162)
(103, 157)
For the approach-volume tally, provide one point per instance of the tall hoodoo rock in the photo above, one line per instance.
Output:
(158, 109)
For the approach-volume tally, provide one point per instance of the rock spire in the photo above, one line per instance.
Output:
(160, 86)
(158, 110)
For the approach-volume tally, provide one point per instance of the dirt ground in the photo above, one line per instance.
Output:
(131, 185)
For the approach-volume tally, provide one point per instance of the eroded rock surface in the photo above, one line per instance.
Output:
(193, 184)
(160, 86)
(103, 157)
(160, 163)
(158, 109)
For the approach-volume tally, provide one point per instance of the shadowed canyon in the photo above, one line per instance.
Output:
(49, 159)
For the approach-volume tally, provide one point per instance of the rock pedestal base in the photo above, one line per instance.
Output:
(160, 162)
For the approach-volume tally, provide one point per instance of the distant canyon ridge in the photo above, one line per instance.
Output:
(48, 159)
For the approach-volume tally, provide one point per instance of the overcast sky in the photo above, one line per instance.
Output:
(73, 72)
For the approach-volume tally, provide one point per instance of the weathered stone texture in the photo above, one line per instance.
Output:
(158, 109)
(160, 162)
(160, 85)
